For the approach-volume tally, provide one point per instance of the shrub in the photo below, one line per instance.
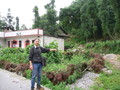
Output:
(54, 56)
(27, 49)
(28, 74)
(105, 47)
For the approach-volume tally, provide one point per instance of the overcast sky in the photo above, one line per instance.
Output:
(24, 8)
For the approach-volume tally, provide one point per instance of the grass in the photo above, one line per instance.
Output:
(76, 59)
(108, 82)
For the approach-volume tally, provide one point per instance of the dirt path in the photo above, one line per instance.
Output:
(11, 81)
(113, 59)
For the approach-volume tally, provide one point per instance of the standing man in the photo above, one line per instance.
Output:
(35, 60)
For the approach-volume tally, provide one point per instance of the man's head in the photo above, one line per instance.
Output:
(36, 42)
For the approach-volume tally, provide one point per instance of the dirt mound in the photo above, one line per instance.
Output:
(97, 64)
(62, 76)
(10, 66)
(20, 69)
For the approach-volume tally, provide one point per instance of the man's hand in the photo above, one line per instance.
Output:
(31, 66)
(53, 49)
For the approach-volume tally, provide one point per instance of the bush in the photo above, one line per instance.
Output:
(105, 47)
(28, 74)
(54, 56)
(27, 49)
(11, 50)
(14, 55)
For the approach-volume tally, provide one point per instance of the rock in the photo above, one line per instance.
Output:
(85, 82)
(110, 56)
(108, 72)
(104, 69)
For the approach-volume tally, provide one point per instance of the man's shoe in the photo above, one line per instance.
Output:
(32, 88)
(39, 87)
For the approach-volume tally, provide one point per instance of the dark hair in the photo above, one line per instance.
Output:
(36, 39)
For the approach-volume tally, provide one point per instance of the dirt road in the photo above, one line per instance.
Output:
(11, 81)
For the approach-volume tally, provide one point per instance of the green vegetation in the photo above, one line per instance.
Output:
(14, 55)
(108, 82)
(110, 46)
(87, 20)
(57, 62)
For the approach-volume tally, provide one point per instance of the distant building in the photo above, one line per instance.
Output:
(23, 38)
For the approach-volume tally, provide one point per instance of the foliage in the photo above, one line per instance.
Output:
(14, 55)
(91, 19)
(23, 27)
(74, 77)
(37, 18)
(28, 74)
(105, 47)
(2, 23)
(46, 82)
(116, 7)
(108, 82)
(51, 17)
(17, 23)
(27, 49)
(12, 50)
(53, 56)
(0, 46)
(68, 45)
(47, 21)
(54, 67)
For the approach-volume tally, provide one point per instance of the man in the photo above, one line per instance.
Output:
(35, 60)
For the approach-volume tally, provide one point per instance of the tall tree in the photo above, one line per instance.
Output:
(2, 24)
(9, 20)
(37, 17)
(23, 27)
(116, 7)
(107, 17)
(17, 23)
(92, 12)
(51, 17)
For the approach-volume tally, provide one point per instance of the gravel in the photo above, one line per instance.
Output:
(85, 82)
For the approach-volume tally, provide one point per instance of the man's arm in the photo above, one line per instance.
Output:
(53, 49)
(45, 50)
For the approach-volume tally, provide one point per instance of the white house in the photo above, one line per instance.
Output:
(23, 38)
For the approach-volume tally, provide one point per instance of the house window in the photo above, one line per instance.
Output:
(27, 42)
(14, 43)
(8, 43)
(20, 43)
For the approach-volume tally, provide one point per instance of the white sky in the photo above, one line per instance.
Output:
(24, 8)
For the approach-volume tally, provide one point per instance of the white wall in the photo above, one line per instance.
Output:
(48, 39)
(2, 42)
(1, 34)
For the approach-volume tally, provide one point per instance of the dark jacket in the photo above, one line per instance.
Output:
(35, 54)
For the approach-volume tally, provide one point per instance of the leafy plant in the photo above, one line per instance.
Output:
(53, 56)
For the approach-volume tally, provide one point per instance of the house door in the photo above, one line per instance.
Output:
(27, 42)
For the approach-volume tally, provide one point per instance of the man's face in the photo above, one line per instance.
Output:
(36, 42)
